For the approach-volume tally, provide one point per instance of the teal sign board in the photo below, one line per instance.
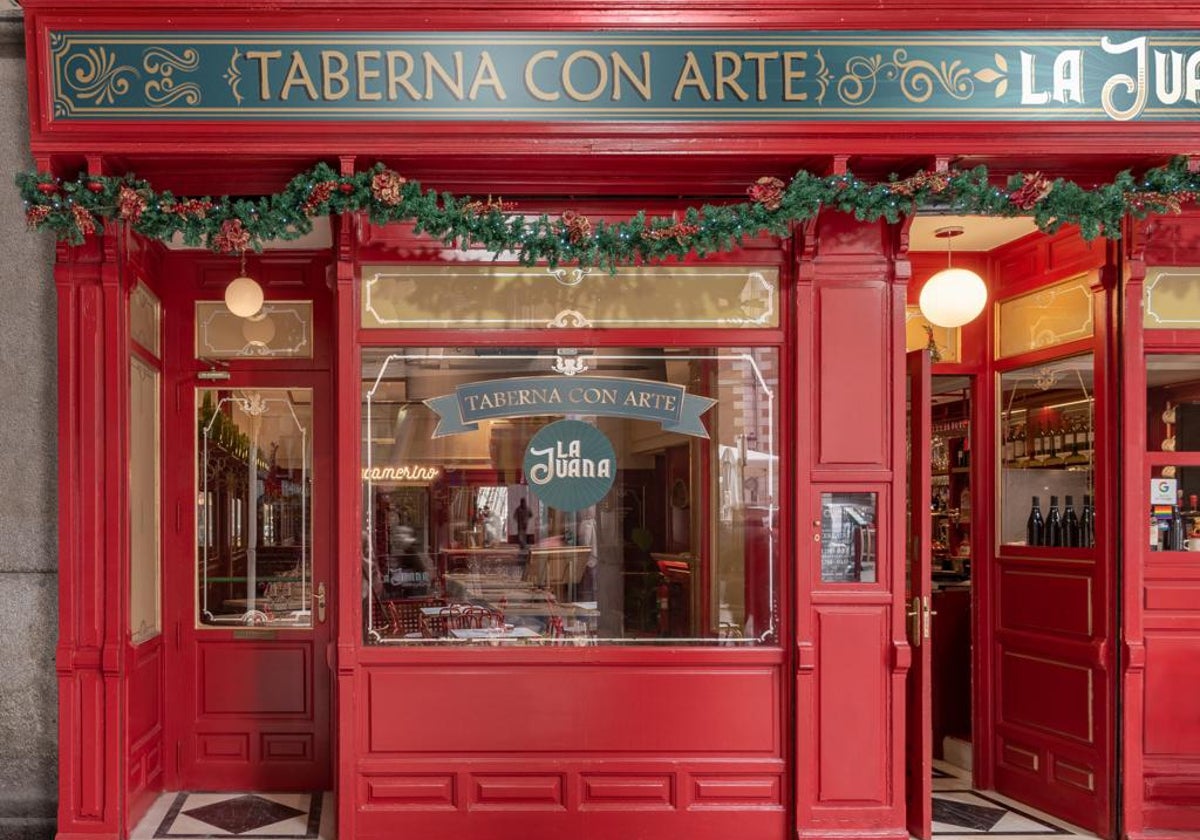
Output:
(570, 465)
(533, 396)
(1073, 75)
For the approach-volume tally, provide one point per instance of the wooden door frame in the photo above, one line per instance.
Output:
(199, 276)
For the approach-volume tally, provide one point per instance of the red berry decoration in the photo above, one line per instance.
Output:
(47, 188)
(346, 188)
(95, 186)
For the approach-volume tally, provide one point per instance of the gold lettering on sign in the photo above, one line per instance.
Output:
(760, 60)
(622, 68)
(432, 66)
(530, 85)
(691, 76)
(360, 63)
(263, 57)
(790, 74)
(398, 79)
(601, 75)
(486, 76)
(723, 78)
(330, 74)
(297, 74)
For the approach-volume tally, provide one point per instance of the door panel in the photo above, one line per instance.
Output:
(250, 687)
(918, 591)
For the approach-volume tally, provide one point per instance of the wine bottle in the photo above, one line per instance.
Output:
(1037, 442)
(1087, 524)
(1071, 532)
(1056, 440)
(1010, 444)
(1019, 444)
(1034, 526)
(1054, 525)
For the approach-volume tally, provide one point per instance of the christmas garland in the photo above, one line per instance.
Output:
(76, 208)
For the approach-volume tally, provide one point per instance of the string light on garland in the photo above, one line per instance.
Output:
(74, 209)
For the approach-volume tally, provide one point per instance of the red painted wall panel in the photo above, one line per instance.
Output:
(1172, 689)
(627, 710)
(250, 679)
(853, 705)
(1062, 705)
(853, 403)
(1049, 602)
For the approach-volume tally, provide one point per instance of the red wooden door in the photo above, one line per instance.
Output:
(250, 590)
(917, 591)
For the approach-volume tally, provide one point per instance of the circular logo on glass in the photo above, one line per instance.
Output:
(570, 465)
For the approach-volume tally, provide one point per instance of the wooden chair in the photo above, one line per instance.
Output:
(406, 614)
(436, 626)
(474, 618)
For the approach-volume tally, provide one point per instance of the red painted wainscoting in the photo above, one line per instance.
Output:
(685, 743)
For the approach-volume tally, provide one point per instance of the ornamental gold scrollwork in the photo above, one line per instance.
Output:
(233, 76)
(165, 90)
(918, 79)
(95, 75)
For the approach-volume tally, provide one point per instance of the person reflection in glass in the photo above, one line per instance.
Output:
(522, 515)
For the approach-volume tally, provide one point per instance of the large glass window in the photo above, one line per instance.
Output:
(253, 509)
(1173, 425)
(571, 497)
(1047, 451)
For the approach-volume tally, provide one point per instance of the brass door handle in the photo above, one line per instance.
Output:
(929, 614)
(319, 597)
(915, 621)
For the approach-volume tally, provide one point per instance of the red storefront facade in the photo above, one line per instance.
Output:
(763, 697)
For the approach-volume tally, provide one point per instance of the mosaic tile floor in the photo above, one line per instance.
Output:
(266, 816)
(959, 811)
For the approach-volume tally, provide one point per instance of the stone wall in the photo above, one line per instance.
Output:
(28, 502)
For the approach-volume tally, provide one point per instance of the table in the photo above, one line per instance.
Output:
(491, 634)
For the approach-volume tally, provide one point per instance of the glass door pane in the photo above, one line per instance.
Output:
(253, 507)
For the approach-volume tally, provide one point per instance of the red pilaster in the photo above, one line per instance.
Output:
(93, 533)
(348, 542)
(852, 655)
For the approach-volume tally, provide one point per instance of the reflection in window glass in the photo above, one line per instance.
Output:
(1047, 453)
(848, 537)
(631, 500)
(253, 507)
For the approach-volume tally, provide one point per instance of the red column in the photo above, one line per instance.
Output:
(348, 543)
(93, 382)
(852, 656)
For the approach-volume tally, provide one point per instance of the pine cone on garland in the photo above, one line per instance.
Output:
(321, 192)
(36, 214)
(83, 220)
(480, 207)
(385, 186)
(232, 238)
(579, 226)
(767, 191)
(679, 231)
(130, 204)
(1034, 188)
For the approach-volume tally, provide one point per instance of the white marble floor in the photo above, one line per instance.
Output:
(960, 812)
(265, 816)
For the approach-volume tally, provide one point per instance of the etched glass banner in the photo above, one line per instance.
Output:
(1072, 75)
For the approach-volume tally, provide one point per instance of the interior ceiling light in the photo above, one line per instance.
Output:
(953, 296)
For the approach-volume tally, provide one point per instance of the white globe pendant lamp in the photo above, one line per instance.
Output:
(243, 295)
(953, 296)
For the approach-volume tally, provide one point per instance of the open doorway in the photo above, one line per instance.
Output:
(961, 801)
